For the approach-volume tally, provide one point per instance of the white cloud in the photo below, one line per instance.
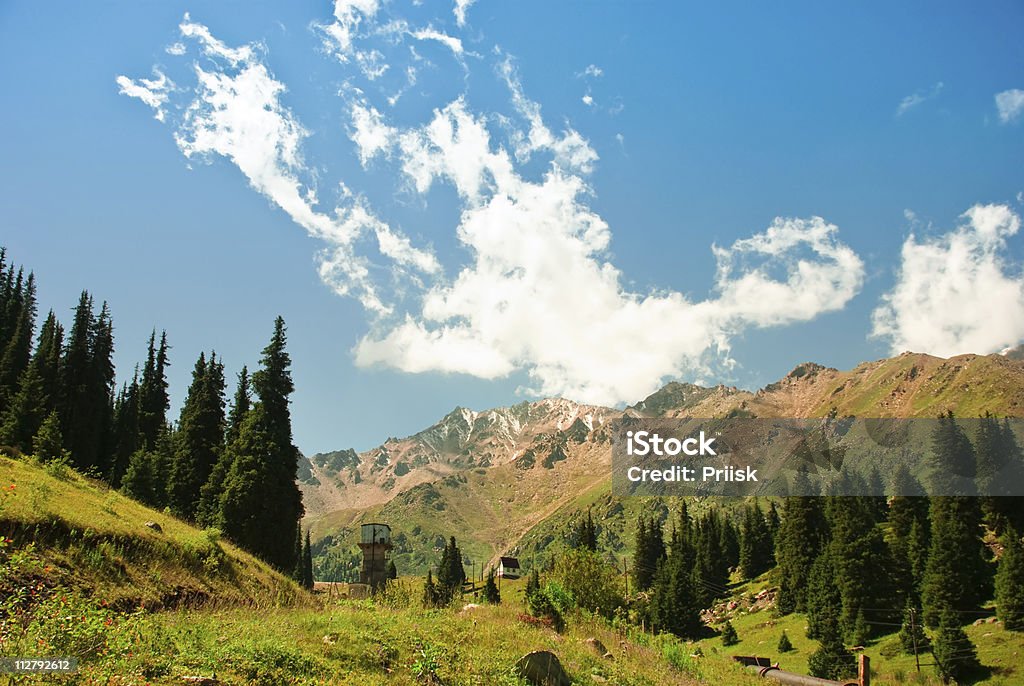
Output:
(1010, 105)
(177, 49)
(432, 34)
(956, 293)
(911, 101)
(236, 113)
(152, 92)
(539, 293)
(572, 152)
(460, 11)
(588, 100)
(592, 71)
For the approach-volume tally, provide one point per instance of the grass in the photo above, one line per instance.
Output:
(999, 650)
(88, 536)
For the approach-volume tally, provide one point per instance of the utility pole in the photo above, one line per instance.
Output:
(625, 572)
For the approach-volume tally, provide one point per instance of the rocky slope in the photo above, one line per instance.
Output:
(493, 478)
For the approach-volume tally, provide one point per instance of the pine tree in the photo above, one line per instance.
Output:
(912, 637)
(491, 593)
(532, 584)
(955, 655)
(451, 575)
(802, 533)
(209, 512)
(298, 573)
(710, 565)
(831, 660)
(153, 399)
(785, 645)
(908, 529)
(87, 384)
(824, 602)
(957, 575)
(37, 391)
(307, 564)
(126, 430)
(16, 346)
(430, 595)
(755, 543)
(586, 533)
(260, 502)
(650, 551)
(200, 433)
(675, 600)
(1010, 582)
(47, 443)
(729, 635)
(952, 461)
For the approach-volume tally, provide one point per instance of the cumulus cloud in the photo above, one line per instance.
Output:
(537, 291)
(1010, 105)
(152, 92)
(957, 293)
(541, 295)
(911, 101)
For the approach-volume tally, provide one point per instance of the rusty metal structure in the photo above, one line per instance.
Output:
(771, 671)
(375, 542)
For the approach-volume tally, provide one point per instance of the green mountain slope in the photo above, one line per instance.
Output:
(87, 537)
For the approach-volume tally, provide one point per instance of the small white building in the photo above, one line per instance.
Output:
(508, 567)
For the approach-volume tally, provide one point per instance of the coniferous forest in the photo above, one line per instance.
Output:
(229, 466)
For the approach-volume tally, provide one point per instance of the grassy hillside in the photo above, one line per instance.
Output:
(86, 536)
(82, 575)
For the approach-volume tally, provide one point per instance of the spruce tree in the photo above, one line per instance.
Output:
(650, 551)
(756, 554)
(209, 512)
(153, 398)
(126, 430)
(1010, 582)
(912, 637)
(957, 575)
(729, 635)
(430, 595)
(802, 533)
(16, 346)
(710, 565)
(784, 645)
(37, 391)
(307, 564)
(956, 658)
(200, 435)
(451, 575)
(491, 593)
(675, 600)
(298, 573)
(586, 533)
(831, 660)
(47, 444)
(261, 502)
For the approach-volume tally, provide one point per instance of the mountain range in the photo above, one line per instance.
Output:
(511, 480)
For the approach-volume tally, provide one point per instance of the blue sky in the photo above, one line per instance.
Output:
(582, 199)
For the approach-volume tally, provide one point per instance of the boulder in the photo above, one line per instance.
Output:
(542, 668)
(154, 526)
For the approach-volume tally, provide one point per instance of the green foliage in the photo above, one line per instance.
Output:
(957, 575)
(451, 575)
(590, 580)
(1010, 582)
(912, 637)
(491, 593)
(47, 443)
(585, 534)
(956, 658)
(756, 555)
(729, 635)
(650, 551)
(831, 660)
(801, 534)
(431, 598)
(784, 645)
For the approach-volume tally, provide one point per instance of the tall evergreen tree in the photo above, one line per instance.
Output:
(209, 513)
(908, 529)
(307, 564)
(199, 437)
(261, 501)
(710, 565)
(451, 575)
(153, 398)
(957, 575)
(802, 533)
(1010, 582)
(675, 602)
(956, 658)
(38, 389)
(586, 533)
(756, 554)
(16, 346)
(87, 385)
(491, 593)
(650, 551)
(126, 429)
